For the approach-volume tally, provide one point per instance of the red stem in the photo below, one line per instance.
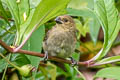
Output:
(13, 50)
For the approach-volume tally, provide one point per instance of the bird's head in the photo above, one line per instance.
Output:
(65, 21)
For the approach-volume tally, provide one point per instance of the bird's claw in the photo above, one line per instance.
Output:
(46, 57)
(74, 63)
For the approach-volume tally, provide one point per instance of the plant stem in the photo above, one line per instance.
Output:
(6, 68)
(80, 73)
(18, 68)
(9, 49)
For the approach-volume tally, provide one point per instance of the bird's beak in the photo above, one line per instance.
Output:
(58, 20)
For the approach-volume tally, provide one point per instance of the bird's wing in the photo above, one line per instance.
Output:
(46, 37)
(48, 33)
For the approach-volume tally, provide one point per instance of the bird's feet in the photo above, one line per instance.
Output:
(74, 62)
(45, 57)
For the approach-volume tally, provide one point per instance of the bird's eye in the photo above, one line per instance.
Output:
(65, 20)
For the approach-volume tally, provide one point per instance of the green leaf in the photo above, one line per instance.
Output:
(82, 29)
(108, 17)
(93, 23)
(76, 56)
(3, 64)
(118, 5)
(3, 13)
(39, 76)
(21, 60)
(108, 60)
(5, 30)
(13, 7)
(24, 10)
(81, 75)
(82, 12)
(20, 12)
(52, 70)
(35, 44)
(23, 28)
(111, 72)
(47, 72)
(94, 29)
(25, 16)
(34, 3)
(108, 14)
(45, 11)
(78, 4)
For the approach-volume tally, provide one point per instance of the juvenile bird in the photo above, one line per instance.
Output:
(61, 39)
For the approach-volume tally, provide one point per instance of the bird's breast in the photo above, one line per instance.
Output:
(60, 43)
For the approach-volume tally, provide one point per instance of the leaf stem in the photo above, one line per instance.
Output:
(5, 68)
(80, 73)
(18, 68)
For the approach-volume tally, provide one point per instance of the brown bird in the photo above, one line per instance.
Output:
(61, 39)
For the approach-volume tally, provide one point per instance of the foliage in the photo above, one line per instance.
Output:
(23, 23)
(108, 17)
(110, 72)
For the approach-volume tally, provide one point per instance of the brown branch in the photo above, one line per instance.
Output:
(12, 50)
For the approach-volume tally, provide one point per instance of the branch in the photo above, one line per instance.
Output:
(13, 50)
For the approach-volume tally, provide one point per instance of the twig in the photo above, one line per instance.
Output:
(12, 50)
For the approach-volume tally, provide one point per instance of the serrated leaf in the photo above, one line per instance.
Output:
(111, 72)
(108, 17)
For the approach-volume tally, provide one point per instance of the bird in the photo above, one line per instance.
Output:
(61, 39)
